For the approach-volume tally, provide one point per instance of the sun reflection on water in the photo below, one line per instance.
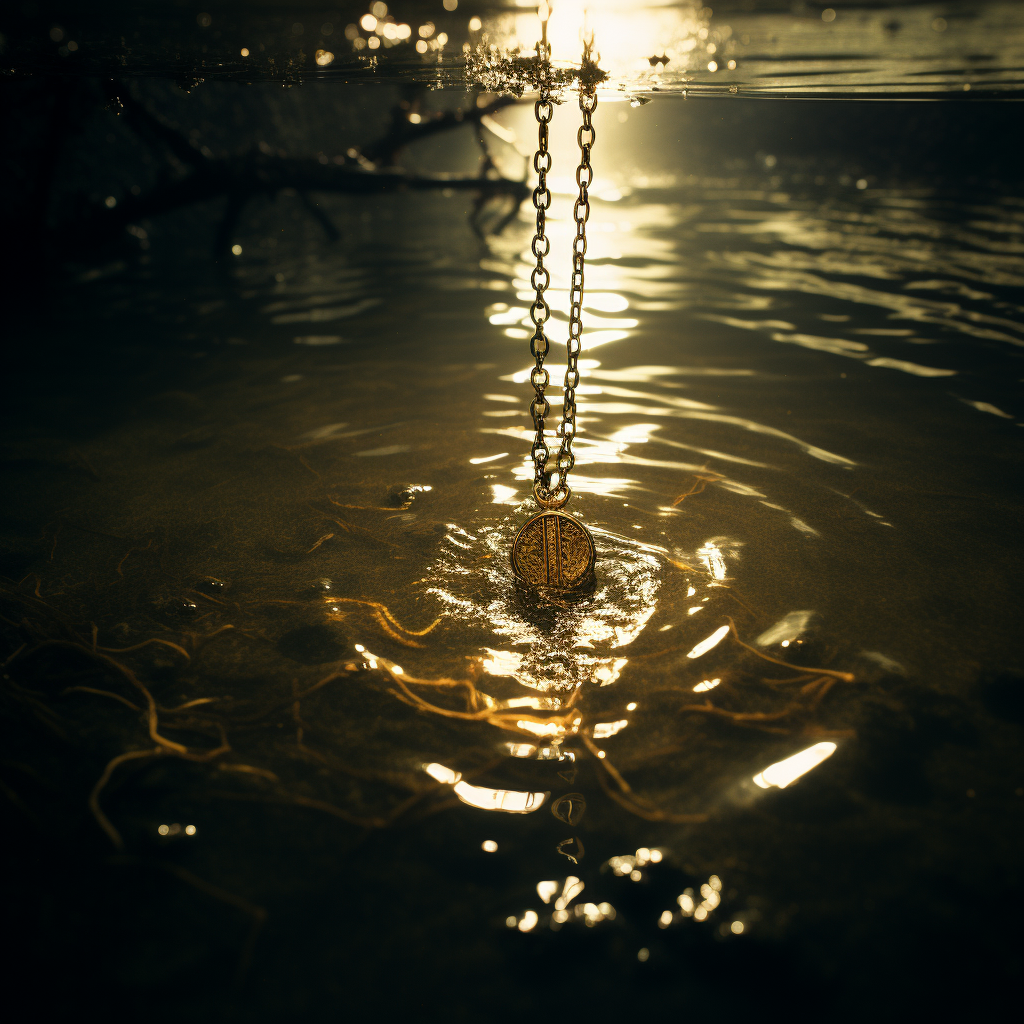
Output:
(571, 645)
(784, 773)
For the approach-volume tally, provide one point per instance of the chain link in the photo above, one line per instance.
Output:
(540, 312)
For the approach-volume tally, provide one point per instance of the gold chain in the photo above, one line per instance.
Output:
(540, 311)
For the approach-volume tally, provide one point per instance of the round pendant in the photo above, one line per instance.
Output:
(553, 550)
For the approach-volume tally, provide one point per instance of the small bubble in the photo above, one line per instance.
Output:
(402, 496)
(236, 249)
(489, 846)
(828, 15)
(176, 606)
(643, 954)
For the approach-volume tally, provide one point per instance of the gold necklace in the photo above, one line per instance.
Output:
(554, 549)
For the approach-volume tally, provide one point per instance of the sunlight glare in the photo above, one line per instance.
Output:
(783, 773)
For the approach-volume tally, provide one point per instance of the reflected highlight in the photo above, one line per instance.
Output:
(784, 773)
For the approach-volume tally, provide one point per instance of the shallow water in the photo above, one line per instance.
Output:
(299, 469)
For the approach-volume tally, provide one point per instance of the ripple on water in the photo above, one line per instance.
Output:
(550, 645)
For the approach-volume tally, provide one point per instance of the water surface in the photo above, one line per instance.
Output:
(274, 492)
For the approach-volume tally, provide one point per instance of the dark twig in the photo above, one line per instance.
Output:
(404, 132)
(332, 233)
(257, 915)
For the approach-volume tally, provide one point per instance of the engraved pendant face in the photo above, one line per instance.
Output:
(553, 550)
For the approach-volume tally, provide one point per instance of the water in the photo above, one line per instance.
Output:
(737, 48)
(274, 492)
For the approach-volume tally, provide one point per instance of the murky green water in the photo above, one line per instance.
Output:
(256, 535)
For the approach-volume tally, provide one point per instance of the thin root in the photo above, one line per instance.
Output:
(189, 704)
(145, 643)
(701, 482)
(102, 693)
(384, 613)
(846, 677)
(94, 796)
(631, 801)
(120, 564)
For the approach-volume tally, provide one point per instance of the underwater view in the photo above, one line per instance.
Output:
(512, 509)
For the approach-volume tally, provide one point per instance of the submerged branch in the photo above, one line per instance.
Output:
(200, 177)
